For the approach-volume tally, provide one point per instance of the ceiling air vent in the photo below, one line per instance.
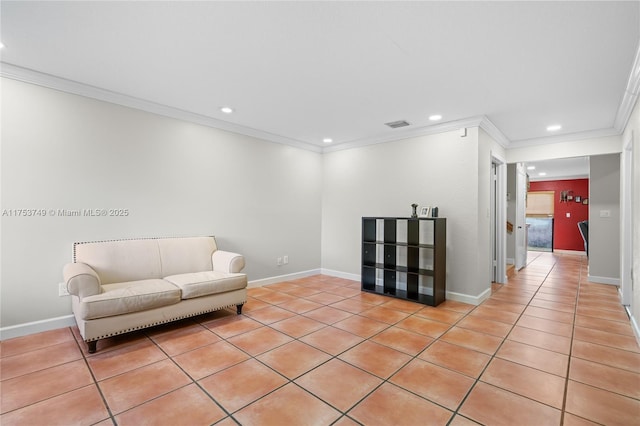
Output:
(396, 124)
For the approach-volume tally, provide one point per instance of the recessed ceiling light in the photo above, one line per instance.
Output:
(542, 174)
(226, 110)
(435, 117)
(531, 167)
(554, 128)
(327, 140)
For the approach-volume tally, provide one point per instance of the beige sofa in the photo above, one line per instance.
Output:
(125, 285)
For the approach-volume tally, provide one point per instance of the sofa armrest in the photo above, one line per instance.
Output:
(226, 261)
(81, 280)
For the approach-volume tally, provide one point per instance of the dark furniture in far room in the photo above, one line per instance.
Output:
(584, 231)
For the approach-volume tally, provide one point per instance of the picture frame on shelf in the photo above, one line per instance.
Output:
(578, 199)
(425, 212)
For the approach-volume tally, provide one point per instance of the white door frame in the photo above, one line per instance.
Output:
(520, 220)
(500, 236)
(626, 232)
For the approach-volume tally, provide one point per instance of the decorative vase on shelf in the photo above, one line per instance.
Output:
(414, 212)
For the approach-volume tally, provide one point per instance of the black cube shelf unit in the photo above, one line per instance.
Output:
(405, 258)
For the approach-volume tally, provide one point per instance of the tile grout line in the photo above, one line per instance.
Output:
(254, 357)
(95, 380)
(169, 357)
(345, 413)
(573, 331)
(581, 281)
(493, 356)
(414, 357)
(332, 356)
(193, 380)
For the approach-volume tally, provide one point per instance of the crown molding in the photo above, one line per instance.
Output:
(406, 133)
(569, 137)
(26, 75)
(625, 109)
(569, 177)
(630, 96)
(493, 131)
(478, 121)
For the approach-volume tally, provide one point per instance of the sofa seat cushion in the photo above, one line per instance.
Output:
(196, 284)
(127, 297)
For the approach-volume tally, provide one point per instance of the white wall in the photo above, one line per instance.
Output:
(385, 179)
(62, 151)
(604, 232)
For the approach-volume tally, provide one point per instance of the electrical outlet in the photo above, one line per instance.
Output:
(285, 259)
(279, 261)
(62, 290)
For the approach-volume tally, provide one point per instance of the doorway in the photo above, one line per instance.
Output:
(498, 219)
(520, 219)
(540, 211)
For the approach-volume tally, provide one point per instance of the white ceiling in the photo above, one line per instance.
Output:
(297, 72)
(563, 168)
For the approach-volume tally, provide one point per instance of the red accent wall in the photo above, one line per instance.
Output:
(566, 235)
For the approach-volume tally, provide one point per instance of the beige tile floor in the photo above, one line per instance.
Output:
(548, 348)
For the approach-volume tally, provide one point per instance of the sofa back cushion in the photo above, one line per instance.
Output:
(119, 261)
(143, 259)
(184, 255)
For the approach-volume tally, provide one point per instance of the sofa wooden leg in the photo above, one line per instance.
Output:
(239, 310)
(91, 346)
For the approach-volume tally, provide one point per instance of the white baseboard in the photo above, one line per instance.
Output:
(339, 274)
(280, 278)
(511, 261)
(574, 252)
(603, 280)
(450, 295)
(36, 327)
(466, 298)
